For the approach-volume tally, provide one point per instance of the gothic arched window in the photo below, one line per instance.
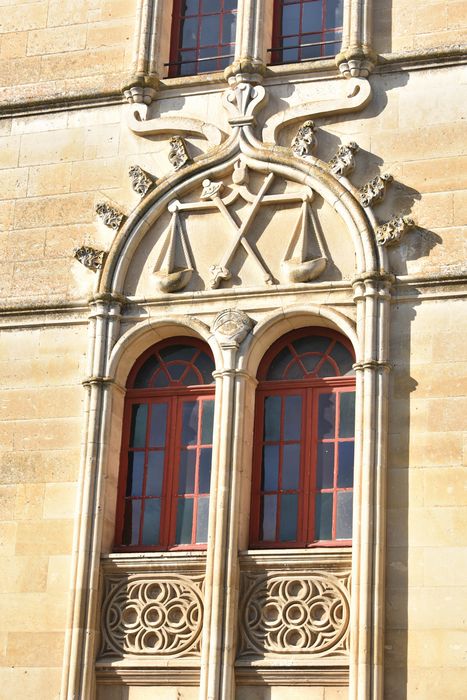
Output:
(165, 470)
(302, 486)
(304, 30)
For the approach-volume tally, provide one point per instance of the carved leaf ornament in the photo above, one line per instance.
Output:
(299, 614)
(154, 614)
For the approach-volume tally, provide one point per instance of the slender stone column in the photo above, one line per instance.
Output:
(356, 57)
(368, 552)
(249, 59)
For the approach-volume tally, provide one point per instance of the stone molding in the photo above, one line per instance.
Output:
(231, 327)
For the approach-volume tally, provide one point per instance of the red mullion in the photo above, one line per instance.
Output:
(122, 477)
(315, 382)
(175, 70)
(325, 357)
(145, 471)
(336, 464)
(310, 490)
(277, 56)
(257, 463)
(323, 26)
(196, 484)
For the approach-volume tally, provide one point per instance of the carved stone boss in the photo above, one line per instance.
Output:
(157, 615)
(392, 231)
(140, 180)
(90, 257)
(295, 614)
(109, 215)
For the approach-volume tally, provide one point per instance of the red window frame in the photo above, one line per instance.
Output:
(221, 52)
(310, 390)
(174, 398)
(306, 37)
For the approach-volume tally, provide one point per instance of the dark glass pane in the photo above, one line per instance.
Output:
(190, 423)
(205, 459)
(268, 518)
(131, 522)
(323, 516)
(202, 520)
(139, 414)
(184, 521)
(343, 358)
(212, 5)
(344, 515)
(205, 365)
(161, 379)
(177, 352)
(207, 422)
(135, 474)
(312, 18)
(292, 417)
(228, 29)
(145, 373)
(230, 4)
(186, 479)
(291, 19)
(270, 476)
(189, 7)
(310, 361)
(346, 457)
(158, 425)
(208, 66)
(326, 370)
(155, 473)
(151, 521)
(176, 370)
(189, 30)
(325, 465)
(191, 378)
(279, 364)
(290, 56)
(332, 50)
(326, 416)
(288, 520)
(312, 343)
(347, 414)
(334, 13)
(295, 371)
(272, 418)
(311, 52)
(224, 62)
(188, 69)
(290, 467)
(209, 30)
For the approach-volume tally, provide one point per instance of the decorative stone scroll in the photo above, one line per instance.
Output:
(178, 155)
(294, 614)
(392, 231)
(343, 162)
(152, 615)
(140, 180)
(109, 215)
(90, 257)
(374, 190)
(231, 326)
(305, 140)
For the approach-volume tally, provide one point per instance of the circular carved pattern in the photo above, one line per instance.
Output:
(159, 615)
(299, 614)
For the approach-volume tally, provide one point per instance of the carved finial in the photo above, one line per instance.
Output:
(305, 140)
(374, 191)
(240, 173)
(178, 154)
(343, 162)
(231, 326)
(211, 189)
(140, 180)
(392, 231)
(109, 215)
(90, 257)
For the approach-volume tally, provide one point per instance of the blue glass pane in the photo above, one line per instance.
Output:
(334, 13)
(176, 370)
(207, 422)
(327, 416)
(310, 361)
(205, 365)
(346, 458)
(189, 7)
(288, 520)
(202, 520)
(212, 5)
(279, 364)
(343, 358)
(155, 473)
(323, 516)
(292, 417)
(309, 52)
(230, 4)
(186, 479)
(291, 19)
(161, 379)
(326, 370)
(151, 521)
(228, 29)
(205, 459)
(189, 30)
(312, 18)
(268, 518)
(325, 465)
(344, 515)
(135, 474)
(312, 343)
(290, 467)
(139, 414)
(295, 371)
(347, 414)
(272, 418)
(184, 521)
(209, 30)
(178, 352)
(145, 373)
(270, 476)
(158, 425)
(131, 522)
(190, 423)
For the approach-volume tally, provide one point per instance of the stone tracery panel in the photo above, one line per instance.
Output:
(157, 614)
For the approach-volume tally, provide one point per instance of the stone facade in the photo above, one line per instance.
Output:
(117, 229)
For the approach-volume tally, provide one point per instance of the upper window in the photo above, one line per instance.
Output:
(306, 29)
(203, 36)
(165, 473)
(304, 442)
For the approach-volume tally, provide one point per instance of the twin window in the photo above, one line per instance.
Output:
(303, 446)
(203, 33)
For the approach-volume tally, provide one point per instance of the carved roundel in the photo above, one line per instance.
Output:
(156, 614)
